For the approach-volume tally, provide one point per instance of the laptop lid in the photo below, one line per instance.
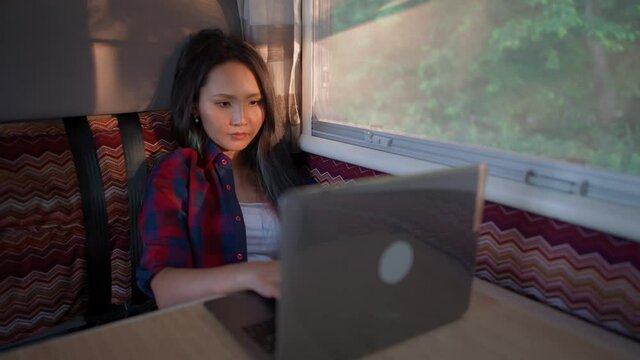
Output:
(369, 264)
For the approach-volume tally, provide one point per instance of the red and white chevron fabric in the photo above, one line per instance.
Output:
(43, 269)
(42, 240)
(158, 140)
(106, 137)
(586, 273)
(156, 132)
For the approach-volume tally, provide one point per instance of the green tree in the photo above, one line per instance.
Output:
(556, 78)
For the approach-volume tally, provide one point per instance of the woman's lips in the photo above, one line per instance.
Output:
(238, 135)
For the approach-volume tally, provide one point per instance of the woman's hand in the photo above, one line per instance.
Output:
(263, 278)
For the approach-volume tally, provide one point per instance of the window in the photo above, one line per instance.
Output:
(547, 93)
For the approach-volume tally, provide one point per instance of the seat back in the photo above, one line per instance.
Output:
(58, 271)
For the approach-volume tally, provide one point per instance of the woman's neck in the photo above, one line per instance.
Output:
(246, 183)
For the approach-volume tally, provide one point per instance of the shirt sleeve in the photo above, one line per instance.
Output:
(163, 221)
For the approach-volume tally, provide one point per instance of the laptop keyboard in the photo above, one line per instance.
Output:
(264, 334)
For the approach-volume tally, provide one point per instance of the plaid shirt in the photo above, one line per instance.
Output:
(190, 216)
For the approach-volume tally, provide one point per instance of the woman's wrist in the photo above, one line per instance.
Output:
(245, 275)
(261, 277)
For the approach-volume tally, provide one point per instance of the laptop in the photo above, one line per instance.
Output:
(364, 265)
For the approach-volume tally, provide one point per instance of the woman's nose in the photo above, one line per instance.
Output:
(238, 117)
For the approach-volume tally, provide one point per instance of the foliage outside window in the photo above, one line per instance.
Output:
(554, 78)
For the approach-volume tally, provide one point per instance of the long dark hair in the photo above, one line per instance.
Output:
(268, 154)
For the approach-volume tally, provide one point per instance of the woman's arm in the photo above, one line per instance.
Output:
(173, 286)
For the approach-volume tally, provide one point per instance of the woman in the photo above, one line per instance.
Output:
(209, 206)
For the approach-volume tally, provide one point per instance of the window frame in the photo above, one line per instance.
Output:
(596, 199)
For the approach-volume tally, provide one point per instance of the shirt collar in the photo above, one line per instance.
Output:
(214, 154)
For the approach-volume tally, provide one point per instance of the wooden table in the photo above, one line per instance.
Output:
(498, 325)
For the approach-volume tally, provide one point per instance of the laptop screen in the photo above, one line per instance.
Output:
(371, 263)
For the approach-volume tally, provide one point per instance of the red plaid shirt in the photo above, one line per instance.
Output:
(190, 216)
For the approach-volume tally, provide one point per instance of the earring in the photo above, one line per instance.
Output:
(196, 119)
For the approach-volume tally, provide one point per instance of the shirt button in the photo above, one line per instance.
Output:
(238, 218)
(224, 162)
(239, 256)
(228, 187)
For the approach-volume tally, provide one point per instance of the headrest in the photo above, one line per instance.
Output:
(96, 57)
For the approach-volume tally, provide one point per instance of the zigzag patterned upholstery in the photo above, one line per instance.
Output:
(114, 179)
(585, 273)
(329, 172)
(43, 266)
(158, 140)
(42, 241)
(156, 132)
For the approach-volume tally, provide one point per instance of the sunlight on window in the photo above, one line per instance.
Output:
(558, 79)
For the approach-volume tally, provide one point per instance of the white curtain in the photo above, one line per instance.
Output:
(274, 28)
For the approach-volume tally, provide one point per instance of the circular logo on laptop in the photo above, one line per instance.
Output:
(395, 262)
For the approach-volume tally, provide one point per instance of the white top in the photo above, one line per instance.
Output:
(262, 227)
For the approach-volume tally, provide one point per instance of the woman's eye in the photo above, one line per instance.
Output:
(223, 104)
(255, 102)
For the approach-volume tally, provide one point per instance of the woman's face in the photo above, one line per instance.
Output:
(230, 107)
